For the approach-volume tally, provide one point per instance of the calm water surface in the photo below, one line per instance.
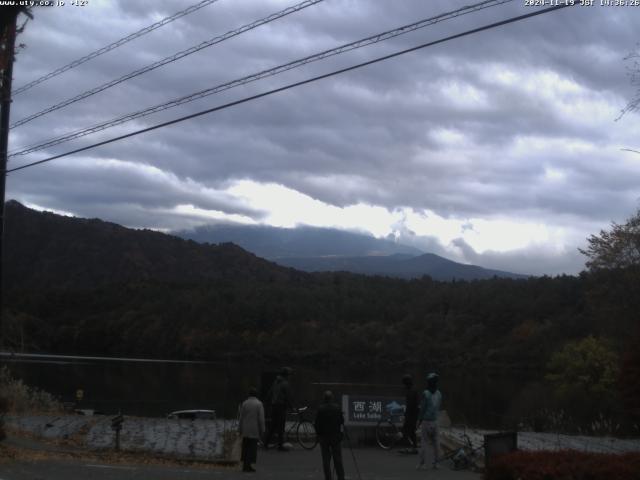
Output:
(154, 388)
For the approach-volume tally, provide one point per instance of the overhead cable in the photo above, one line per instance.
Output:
(170, 59)
(262, 74)
(114, 45)
(296, 84)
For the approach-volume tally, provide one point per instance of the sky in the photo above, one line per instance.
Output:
(503, 149)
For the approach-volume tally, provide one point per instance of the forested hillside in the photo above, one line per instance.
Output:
(46, 250)
(87, 286)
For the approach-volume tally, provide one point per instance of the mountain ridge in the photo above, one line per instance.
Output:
(313, 249)
(428, 264)
(305, 241)
(45, 248)
(50, 249)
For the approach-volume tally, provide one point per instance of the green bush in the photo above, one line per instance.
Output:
(564, 465)
(588, 367)
(20, 398)
(584, 376)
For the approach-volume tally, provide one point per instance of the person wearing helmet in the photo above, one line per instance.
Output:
(428, 421)
(281, 399)
(412, 400)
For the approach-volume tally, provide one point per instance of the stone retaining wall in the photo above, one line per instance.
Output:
(195, 439)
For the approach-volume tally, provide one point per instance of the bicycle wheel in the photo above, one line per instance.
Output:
(290, 431)
(307, 437)
(387, 434)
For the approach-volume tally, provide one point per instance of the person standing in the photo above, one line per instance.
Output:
(251, 428)
(328, 424)
(428, 420)
(412, 400)
(281, 399)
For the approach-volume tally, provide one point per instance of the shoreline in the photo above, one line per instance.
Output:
(205, 439)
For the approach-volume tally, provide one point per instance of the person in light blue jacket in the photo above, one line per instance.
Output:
(431, 401)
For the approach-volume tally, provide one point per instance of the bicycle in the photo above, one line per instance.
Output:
(387, 432)
(467, 455)
(303, 429)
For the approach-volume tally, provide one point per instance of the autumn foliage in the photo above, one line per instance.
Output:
(564, 465)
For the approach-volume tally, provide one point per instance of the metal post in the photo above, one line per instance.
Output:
(9, 39)
(116, 425)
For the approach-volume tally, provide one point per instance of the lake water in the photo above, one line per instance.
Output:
(154, 388)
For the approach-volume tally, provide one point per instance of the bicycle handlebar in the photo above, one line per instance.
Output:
(298, 411)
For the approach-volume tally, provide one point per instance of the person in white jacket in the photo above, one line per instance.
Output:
(251, 428)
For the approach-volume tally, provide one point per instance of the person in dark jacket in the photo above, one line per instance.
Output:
(281, 399)
(412, 400)
(329, 421)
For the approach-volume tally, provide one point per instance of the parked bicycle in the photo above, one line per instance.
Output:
(389, 427)
(302, 429)
(466, 456)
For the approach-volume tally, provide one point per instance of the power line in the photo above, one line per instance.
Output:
(629, 150)
(257, 76)
(262, 74)
(297, 84)
(170, 59)
(115, 44)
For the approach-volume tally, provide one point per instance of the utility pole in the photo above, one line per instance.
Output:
(7, 52)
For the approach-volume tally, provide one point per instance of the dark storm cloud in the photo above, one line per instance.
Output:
(516, 122)
(113, 188)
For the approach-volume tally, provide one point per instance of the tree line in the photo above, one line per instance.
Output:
(244, 307)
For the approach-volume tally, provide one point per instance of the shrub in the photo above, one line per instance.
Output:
(588, 366)
(629, 380)
(564, 465)
(584, 376)
(20, 398)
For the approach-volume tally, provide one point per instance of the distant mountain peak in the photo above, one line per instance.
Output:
(314, 249)
(47, 248)
(398, 265)
(305, 241)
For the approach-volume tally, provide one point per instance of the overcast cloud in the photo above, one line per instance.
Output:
(499, 149)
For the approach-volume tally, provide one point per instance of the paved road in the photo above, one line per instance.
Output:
(374, 464)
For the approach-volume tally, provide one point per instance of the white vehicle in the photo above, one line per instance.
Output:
(192, 415)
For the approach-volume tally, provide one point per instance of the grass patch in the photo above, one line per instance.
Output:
(20, 398)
